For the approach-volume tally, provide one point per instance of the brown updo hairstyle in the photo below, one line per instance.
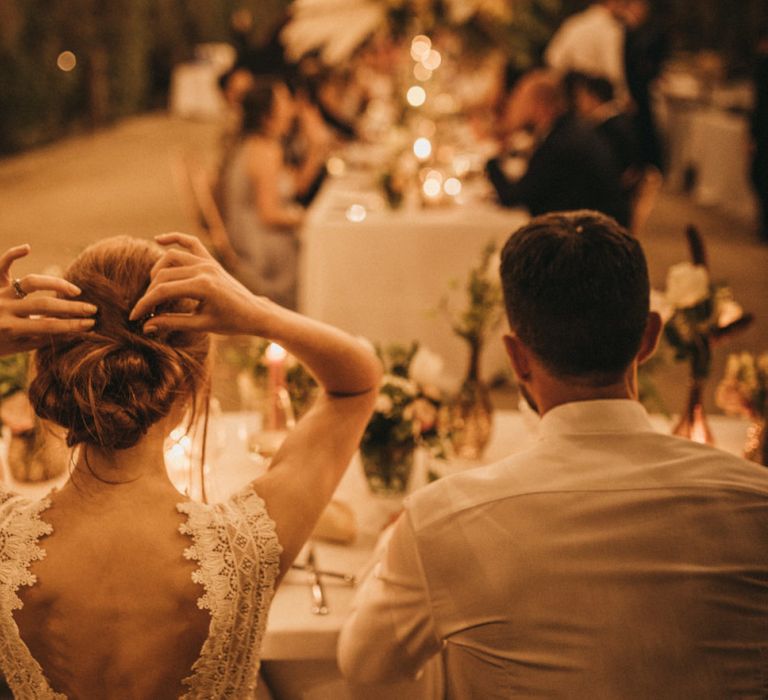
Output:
(108, 386)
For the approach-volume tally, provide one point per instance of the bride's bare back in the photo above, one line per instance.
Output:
(114, 611)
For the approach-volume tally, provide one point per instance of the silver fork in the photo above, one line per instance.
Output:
(319, 604)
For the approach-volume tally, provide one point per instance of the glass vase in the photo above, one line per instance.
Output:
(472, 412)
(693, 421)
(388, 466)
(756, 446)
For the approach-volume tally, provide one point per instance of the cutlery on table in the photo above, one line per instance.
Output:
(349, 579)
(319, 604)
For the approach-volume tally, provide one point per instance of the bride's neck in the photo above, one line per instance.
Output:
(140, 465)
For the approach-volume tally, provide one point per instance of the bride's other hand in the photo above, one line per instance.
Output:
(26, 322)
(189, 272)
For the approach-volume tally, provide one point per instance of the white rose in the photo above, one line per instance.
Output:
(687, 285)
(729, 312)
(426, 367)
(383, 404)
(661, 306)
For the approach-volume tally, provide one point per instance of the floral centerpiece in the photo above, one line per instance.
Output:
(408, 414)
(472, 410)
(701, 312)
(743, 391)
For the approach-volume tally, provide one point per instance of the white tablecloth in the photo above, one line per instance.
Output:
(714, 143)
(384, 277)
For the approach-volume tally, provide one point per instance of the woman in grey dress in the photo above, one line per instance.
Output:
(261, 215)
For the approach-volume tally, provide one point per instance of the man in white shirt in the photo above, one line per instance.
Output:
(607, 561)
(591, 42)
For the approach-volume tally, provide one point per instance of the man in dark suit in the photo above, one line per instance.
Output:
(646, 47)
(593, 100)
(572, 167)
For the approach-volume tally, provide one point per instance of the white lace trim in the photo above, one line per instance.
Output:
(21, 529)
(238, 554)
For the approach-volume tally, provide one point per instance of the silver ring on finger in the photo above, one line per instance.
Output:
(16, 284)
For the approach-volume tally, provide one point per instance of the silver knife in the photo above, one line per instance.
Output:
(349, 579)
(319, 604)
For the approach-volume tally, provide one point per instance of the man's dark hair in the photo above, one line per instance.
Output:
(577, 294)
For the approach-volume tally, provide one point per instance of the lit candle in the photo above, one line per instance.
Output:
(275, 356)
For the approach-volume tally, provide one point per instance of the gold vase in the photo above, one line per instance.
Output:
(472, 412)
(756, 446)
(693, 421)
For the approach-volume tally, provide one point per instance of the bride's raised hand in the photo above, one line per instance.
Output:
(26, 322)
(190, 273)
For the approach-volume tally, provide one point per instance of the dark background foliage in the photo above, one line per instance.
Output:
(126, 50)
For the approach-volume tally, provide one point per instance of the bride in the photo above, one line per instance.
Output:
(116, 585)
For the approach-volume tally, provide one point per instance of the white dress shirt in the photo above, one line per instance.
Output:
(607, 561)
(590, 42)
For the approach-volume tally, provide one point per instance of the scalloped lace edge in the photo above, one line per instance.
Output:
(214, 572)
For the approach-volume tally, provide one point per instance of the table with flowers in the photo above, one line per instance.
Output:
(299, 648)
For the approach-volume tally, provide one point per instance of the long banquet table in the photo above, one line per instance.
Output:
(299, 649)
(384, 276)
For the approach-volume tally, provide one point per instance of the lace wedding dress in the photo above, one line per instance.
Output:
(236, 549)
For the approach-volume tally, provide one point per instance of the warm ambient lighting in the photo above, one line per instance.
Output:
(416, 96)
(356, 213)
(422, 148)
(432, 60)
(275, 353)
(66, 61)
(431, 187)
(421, 73)
(420, 47)
(336, 166)
(452, 186)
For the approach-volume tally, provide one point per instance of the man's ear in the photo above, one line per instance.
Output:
(519, 356)
(651, 336)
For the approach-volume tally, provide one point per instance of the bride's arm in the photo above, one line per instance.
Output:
(307, 468)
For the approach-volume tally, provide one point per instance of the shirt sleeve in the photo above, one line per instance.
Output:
(390, 633)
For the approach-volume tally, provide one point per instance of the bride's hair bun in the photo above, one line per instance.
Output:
(108, 386)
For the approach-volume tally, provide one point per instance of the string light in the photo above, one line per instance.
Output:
(422, 148)
(416, 96)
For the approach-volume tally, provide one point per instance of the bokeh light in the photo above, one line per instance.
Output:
(431, 187)
(356, 213)
(420, 72)
(422, 148)
(416, 96)
(420, 47)
(432, 60)
(452, 186)
(66, 61)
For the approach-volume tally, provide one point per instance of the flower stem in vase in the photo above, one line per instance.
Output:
(472, 413)
(693, 422)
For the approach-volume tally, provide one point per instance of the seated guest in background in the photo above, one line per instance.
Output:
(646, 48)
(116, 585)
(571, 168)
(259, 190)
(606, 561)
(593, 100)
(591, 42)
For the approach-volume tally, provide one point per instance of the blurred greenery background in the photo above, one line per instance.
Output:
(126, 50)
